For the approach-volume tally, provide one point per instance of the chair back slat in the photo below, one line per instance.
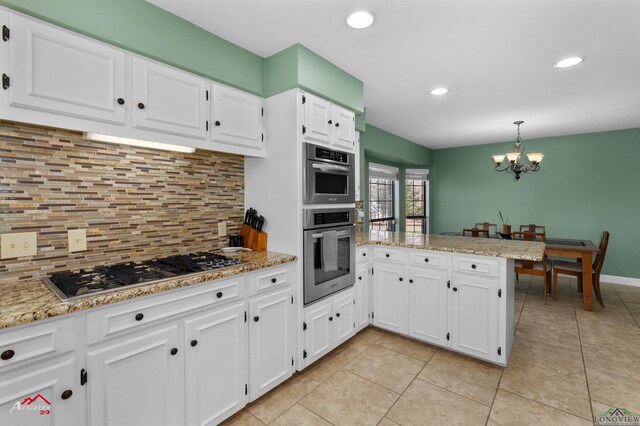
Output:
(539, 229)
(488, 226)
(529, 236)
(475, 232)
(599, 261)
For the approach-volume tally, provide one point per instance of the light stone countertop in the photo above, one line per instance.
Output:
(24, 301)
(509, 249)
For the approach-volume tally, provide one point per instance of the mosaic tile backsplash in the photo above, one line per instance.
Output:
(135, 203)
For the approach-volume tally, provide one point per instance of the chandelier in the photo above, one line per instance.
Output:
(515, 165)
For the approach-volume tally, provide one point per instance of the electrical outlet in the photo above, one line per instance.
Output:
(18, 245)
(77, 240)
(222, 229)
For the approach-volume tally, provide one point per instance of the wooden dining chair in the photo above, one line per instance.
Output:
(530, 267)
(568, 267)
(491, 227)
(475, 232)
(539, 229)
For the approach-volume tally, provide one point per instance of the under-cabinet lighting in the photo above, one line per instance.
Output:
(137, 142)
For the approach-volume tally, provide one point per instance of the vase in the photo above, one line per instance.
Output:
(506, 229)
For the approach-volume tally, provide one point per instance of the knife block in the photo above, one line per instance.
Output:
(260, 241)
(244, 233)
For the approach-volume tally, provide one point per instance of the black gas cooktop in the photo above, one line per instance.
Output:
(73, 285)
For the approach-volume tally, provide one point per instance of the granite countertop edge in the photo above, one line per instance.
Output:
(508, 249)
(25, 301)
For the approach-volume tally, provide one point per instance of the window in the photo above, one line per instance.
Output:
(416, 197)
(381, 204)
(383, 184)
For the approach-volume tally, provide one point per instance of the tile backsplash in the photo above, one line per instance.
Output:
(135, 203)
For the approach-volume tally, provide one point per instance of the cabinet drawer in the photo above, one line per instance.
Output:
(130, 316)
(429, 259)
(388, 254)
(269, 278)
(476, 265)
(21, 344)
(362, 254)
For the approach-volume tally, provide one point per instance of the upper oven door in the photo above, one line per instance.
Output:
(329, 261)
(328, 183)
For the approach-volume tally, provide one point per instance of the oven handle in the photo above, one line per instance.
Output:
(321, 235)
(325, 167)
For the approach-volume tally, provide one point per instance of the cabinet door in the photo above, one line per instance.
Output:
(344, 129)
(390, 301)
(428, 305)
(344, 319)
(60, 72)
(137, 381)
(318, 120)
(362, 295)
(236, 118)
(35, 398)
(270, 341)
(319, 332)
(216, 364)
(474, 314)
(168, 100)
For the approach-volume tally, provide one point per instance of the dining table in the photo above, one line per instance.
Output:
(573, 249)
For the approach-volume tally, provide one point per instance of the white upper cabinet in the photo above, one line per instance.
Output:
(236, 118)
(344, 128)
(318, 120)
(168, 100)
(324, 123)
(57, 71)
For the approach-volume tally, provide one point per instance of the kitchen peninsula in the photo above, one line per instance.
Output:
(454, 292)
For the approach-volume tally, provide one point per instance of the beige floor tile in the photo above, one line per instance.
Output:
(614, 338)
(510, 410)
(242, 418)
(424, 403)
(599, 408)
(550, 320)
(617, 390)
(550, 336)
(370, 335)
(463, 375)
(407, 346)
(327, 366)
(615, 362)
(548, 387)
(386, 367)
(386, 422)
(270, 406)
(348, 399)
(300, 416)
(564, 361)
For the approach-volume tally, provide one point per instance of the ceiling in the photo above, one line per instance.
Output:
(496, 58)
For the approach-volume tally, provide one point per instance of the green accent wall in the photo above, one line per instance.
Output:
(379, 146)
(297, 66)
(587, 183)
(143, 28)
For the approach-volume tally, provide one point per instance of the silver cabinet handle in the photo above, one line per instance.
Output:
(330, 167)
(317, 236)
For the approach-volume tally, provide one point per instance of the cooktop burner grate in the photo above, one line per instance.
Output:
(112, 277)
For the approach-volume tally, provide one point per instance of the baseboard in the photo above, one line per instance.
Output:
(614, 279)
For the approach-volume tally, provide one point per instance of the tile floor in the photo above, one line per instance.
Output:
(566, 366)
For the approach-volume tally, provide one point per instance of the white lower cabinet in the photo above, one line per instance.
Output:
(449, 300)
(362, 295)
(428, 300)
(390, 301)
(137, 380)
(55, 393)
(328, 324)
(270, 341)
(474, 314)
(216, 364)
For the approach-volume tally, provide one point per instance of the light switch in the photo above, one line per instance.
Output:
(77, 240)
(222, 229)
(19, 245)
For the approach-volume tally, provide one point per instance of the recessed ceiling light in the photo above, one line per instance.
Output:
(361, 20)
(439, 91)
(568, 62)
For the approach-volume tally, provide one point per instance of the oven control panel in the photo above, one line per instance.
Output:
(328, 154)
(331, 218)
(323, 218)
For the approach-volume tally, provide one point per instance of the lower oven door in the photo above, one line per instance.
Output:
(329, 261)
